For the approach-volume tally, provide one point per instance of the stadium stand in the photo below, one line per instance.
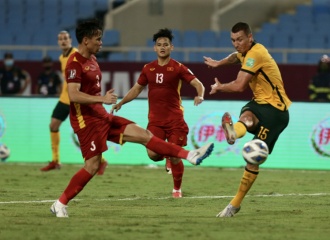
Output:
(36, 23)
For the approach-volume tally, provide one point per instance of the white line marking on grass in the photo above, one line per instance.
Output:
(163, 198)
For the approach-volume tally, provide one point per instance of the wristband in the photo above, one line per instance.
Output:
(200, 98)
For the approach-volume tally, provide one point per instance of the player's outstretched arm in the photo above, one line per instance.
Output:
(200, 89)
(131, 94)
(75, 95)
(230, 59)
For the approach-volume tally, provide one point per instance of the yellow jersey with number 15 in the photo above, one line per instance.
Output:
(64, 97)
(267, 84)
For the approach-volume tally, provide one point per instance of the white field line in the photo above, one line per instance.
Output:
(163, 198)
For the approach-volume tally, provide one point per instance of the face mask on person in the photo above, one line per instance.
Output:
(48, 68)
(9, 62)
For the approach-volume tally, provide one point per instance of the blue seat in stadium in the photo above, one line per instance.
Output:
(269, 28)
(313, 58)
(317, 41)
(148, 56)
(195, 56)
(190, 38)
(85, 9)
(265, 38)
(150, 43)
(111, 37)
(20, 54)
(35, 55)
(22, 38)
(299, 41)
(131, 56)
(281, 41)
(101, 5)
(41, 39)
(209, 39)
(6, 38)
(68, 18)
(177, 38)
(287, 27)
(73, 37)
(224, 40)
(218, 56)
(297, 58)
(116, 57)
(179, 56)
(278, 57)
(54, 54)
(285, 18)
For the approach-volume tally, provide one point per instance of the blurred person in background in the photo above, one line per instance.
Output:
(62, 108)
(13, 80)
(319, 86)
(164, 78)
(49, 81)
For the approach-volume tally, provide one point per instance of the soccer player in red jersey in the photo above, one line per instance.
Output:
(62, 108)
(94, 126)
(164, 78)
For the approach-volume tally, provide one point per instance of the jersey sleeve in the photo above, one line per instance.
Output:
(73, 72)
(186, 74)
(143, 80)
(252, 62)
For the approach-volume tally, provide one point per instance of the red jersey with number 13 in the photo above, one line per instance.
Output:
(86, 72)
(164, 83)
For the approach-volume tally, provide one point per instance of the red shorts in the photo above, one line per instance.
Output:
(174, 132)
(93, 139)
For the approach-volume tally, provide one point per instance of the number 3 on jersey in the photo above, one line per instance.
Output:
(159, 78)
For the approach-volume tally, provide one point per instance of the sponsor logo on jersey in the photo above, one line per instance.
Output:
(170, 69)
(250, 62)
(72, 74)
(152, 69)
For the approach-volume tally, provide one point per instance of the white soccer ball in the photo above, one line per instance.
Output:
(4, 152)
(255, 152)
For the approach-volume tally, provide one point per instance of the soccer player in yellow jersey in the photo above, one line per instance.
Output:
(266, 115)
(62, 108)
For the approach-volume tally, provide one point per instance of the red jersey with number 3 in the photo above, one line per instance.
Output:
(86, 72)
(164, 85)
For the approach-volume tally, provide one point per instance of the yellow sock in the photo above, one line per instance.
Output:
(240, 129)
(55, 142)
(246, 182)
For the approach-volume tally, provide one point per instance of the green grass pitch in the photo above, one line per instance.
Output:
(134, 202)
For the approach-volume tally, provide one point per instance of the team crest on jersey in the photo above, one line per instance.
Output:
(86, 68)
(250, 62)
(152, 69)
(72, 74)
(170, 69)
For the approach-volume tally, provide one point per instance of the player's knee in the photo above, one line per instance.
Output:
(154, 156)
(175, 160)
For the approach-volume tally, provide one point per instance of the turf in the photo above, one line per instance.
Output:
(133, 202)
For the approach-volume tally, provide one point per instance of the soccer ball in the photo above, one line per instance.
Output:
(255, 152)
(4, 152)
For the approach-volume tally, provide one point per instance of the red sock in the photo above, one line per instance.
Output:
(77, 183)
(166, 149)
(177, 173)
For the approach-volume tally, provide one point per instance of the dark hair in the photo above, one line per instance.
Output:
(241, 26)
(8, 55)
(65, 32)
(88, 28)
(165, 32)
(47, 59)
